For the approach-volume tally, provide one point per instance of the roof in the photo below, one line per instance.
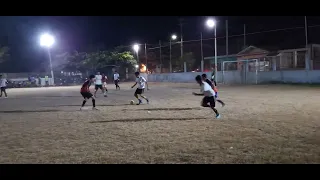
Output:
(251, 49)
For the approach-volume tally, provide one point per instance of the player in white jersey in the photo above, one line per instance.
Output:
(98, 83)
(142, 83)
(3, 86)
(104, 86)
(209, 95)
(116, 79)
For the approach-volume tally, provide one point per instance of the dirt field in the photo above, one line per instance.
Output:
(259, 124)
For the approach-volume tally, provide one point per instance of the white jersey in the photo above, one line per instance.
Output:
(141, 81)
(207, 90)
(98, 80)
(116, 76)
(3, 82)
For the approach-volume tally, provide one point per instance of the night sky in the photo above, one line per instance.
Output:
(21, 33)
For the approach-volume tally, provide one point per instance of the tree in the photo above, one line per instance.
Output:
(4, 54)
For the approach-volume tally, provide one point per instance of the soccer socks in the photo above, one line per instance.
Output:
(93, 102)
(83, 103)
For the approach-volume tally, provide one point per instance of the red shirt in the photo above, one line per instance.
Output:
(85, 86)
(104, 78)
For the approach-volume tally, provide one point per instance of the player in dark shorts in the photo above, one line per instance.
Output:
(142, 84)
(209, 95)
(86, 94)
(214, 87)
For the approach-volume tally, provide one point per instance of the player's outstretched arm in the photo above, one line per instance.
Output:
(134, 85)
(197, 94)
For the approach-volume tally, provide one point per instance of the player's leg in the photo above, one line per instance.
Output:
(136, 93)
(93, 101)
(212, 102)
(84, 100)
(5, 92)
(218, 100)
(117, 84)
(96, 87)
(144, 97)
(1, 89)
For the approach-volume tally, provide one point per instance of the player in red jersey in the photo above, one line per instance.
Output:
(86, 94)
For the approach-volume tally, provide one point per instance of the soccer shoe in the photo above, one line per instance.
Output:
(147, 101)
(139, 102)
(218, 116)
(94, 108)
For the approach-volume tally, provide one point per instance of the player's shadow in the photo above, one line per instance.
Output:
(147, 119)
(65, 105)
(30, 111)
(163, 109)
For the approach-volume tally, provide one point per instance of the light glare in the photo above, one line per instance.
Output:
(46, 40)
(173, 37)
(211, 23)
(136, 47)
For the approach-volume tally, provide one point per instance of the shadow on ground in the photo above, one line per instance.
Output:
(163, 109)
(148, 119)
(30, 111)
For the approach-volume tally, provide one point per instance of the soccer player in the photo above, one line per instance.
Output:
(214, 87)
(209, 95)
(86, 94)
(116, 79)
(212, 79)
(142, 83)
(98, 83)
(3, 86)
(104, 81)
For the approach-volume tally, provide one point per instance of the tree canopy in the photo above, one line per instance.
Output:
(4, 54)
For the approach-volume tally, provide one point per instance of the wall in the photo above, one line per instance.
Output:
(178, 77)
(238, 77)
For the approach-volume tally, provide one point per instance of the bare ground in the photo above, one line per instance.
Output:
(259, 124)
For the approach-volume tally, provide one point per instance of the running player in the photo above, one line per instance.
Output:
(98, 83)
(204, 78)
(116, 79)
(3, 86)
(142, 83)
(104, 81)
(213, 79)
(209, 95)
(86, 94)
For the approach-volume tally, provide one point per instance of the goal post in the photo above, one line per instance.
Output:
(244, 75)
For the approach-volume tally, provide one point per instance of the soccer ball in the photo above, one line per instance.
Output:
(131, 102)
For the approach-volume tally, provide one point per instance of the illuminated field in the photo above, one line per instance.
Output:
(259, 124)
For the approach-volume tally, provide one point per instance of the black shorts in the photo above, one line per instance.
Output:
(3, 89)
(209, 100)
(139, 91)
(98, 86)
(116, 82)
(87, 95)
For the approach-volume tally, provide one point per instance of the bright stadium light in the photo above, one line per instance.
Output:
(174, 37)
(211, 23)
(136, 48)
(46, 40)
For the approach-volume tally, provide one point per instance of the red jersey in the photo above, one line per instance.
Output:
(85, 86)
(104, 78)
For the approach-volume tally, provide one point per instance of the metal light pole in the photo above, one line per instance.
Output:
(173, 37)
(212, 24)
(201, 46)
(47, 40)
(50, 60)
(146, 56)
